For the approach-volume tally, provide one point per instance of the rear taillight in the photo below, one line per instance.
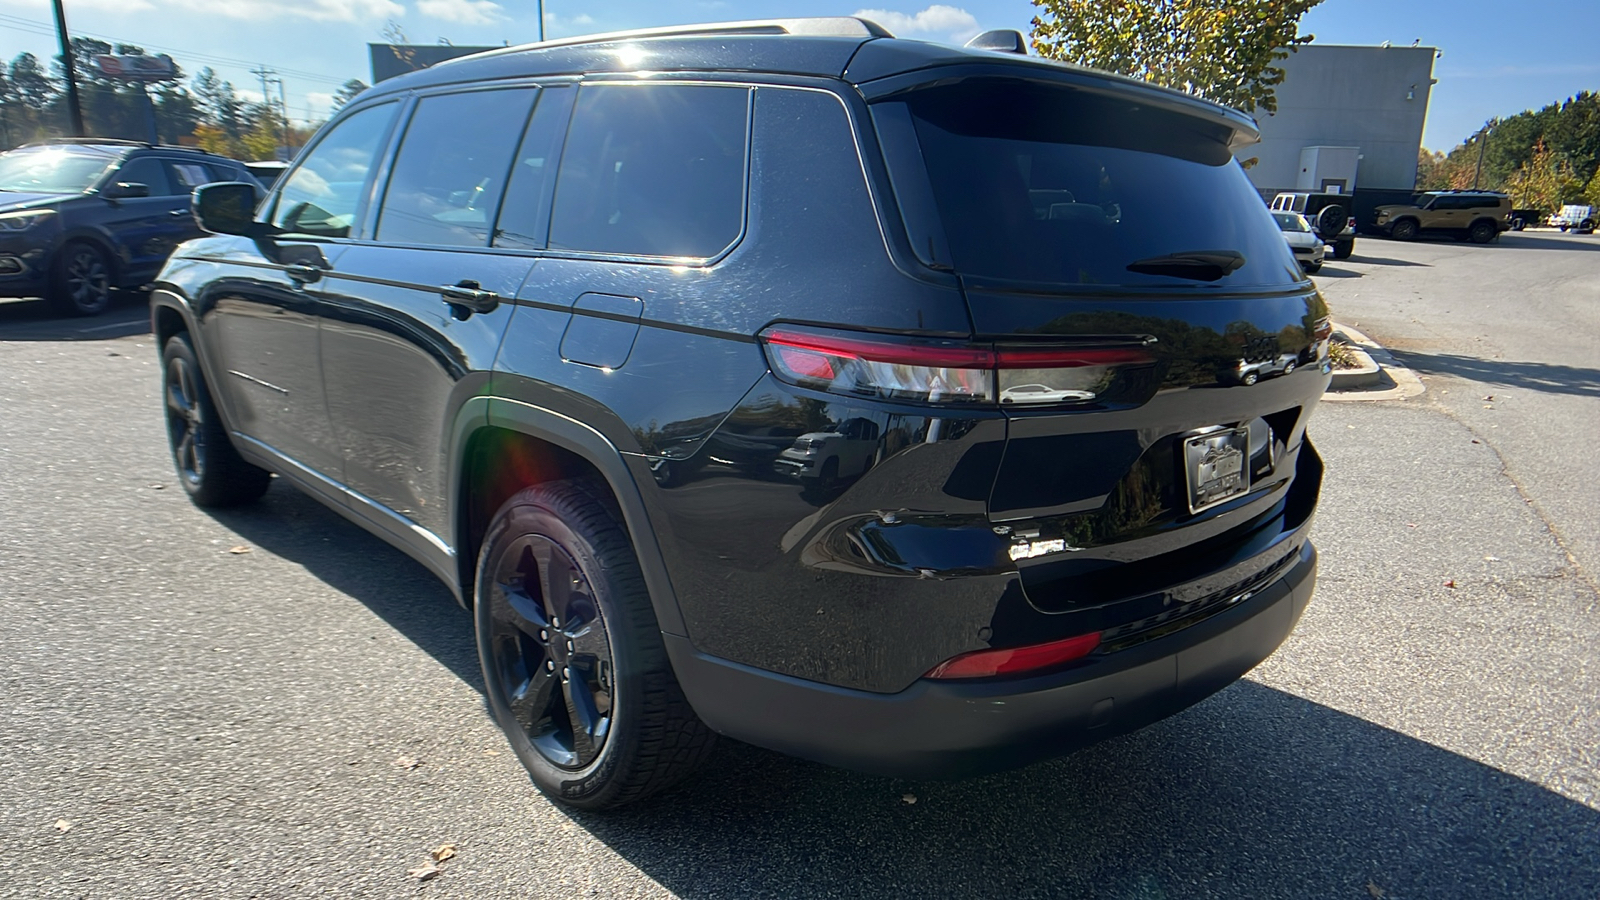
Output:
(1016, 660)
(945, 372)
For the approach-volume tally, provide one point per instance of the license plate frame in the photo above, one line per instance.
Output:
(1216, 466)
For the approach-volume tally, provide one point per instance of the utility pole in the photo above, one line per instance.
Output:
(266, 98)
(74, 107)
(539, 7)
(1483, 141)
(283, 106)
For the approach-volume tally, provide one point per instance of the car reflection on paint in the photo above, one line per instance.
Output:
(824, 458)
(1249, 372)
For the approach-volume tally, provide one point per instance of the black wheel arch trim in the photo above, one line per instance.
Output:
(100, 241)
(592, 446)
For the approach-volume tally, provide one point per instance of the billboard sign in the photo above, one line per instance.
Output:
(137, 68)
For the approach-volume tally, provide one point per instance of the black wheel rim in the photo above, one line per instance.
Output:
(549, 653)
(88, 280)
(184, 421)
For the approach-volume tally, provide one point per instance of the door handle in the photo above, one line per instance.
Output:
(466, 297)
(177, 212)
(302, 274)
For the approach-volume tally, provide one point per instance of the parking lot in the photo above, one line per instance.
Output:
(268, 702)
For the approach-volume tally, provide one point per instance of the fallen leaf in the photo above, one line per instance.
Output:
(1491, 559)
(63, 826)
(158, 487)
(406, 762)
(1476, 441)
(425, 872)
(1489, 397)
(1411, 524)
(1377, 893)
(443, 852)
(908, 799)
(1450, 584)
(491, 753)
(1488, 406)
(241, 549)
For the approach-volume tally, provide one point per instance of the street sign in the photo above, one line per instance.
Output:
(137, 68)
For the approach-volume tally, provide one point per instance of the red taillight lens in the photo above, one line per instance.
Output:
(1014, 661)
(945, 372)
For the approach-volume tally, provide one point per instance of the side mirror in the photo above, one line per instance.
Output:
(226, 207)
(123, 190)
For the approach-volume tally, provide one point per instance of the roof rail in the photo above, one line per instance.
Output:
(821, 26)
(45, 142)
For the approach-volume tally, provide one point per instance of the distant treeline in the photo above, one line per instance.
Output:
(1542, 158)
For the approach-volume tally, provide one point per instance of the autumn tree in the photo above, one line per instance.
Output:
(1546, 181)
(1222, 50)
(348, 92)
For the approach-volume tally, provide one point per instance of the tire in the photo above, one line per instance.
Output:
(1482, 232)
(574, 669)
(1250, 378)
(1311, 268)
(211, 471)
(80, 282)
(1344, 249)
(1288, 368)
(1404, 230)
(1587, 227)
(1518, 224)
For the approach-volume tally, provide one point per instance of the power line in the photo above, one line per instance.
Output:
(43, 29)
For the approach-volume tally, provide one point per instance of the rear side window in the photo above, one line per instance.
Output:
(452, 167)
(653, 170)
(1048, 185)
(526, 209)
(186, 176)
(323, 194)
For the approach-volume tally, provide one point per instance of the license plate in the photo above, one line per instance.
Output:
(1215, 462)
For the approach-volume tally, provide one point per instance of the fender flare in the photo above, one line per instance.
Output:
(595, 448)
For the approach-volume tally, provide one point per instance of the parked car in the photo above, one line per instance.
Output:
(1330, 216)
(1303, 240)
(1576, 218)
(824, 457)
(1478, 216)
(81, 217)
(481, 350)
(1524, 218)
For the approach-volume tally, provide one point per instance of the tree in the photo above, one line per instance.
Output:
(348, 92)
(1546, 181)
(1222, 50)
(220, 106)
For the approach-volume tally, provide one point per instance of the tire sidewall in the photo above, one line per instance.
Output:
(63, 297)
(178, 346)
(1405, 230)
(592, 784)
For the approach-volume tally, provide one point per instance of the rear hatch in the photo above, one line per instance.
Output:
(1091, 218)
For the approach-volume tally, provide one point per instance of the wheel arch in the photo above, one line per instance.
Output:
(502, 446)
(100, 242)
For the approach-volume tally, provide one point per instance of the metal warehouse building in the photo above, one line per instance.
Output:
(1349, 120)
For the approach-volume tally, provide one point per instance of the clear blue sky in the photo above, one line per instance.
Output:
(1499, 58)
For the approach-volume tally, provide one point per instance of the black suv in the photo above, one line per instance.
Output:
(565, 364)
(81, 217)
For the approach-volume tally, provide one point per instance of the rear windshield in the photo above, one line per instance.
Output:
(1015, 181)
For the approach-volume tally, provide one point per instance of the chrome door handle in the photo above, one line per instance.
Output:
(177, 212)
(302, 274)
(466, 297)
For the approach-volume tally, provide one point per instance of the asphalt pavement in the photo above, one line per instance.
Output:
(268, 702)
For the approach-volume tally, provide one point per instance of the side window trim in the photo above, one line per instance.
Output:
(567, 96)
(268, 211)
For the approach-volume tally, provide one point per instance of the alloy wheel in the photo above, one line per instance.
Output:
(184, 423)
(550, 654)
(88, 280)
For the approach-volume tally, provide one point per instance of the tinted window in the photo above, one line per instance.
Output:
(653, 170)
(1046, 185)
(452, 168)
(186, 176)
(322, 195)
(145, 170)
(527, 205)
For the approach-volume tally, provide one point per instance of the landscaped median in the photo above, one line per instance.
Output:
(1364, 370)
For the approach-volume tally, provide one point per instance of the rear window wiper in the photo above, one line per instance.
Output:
(1199, 265)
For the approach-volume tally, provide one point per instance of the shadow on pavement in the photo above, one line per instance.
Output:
(35, 320)
(1329, 271)
(1254, 793)
(1533, 376)
(1386, 261)
(1532, 242)
(397, 589)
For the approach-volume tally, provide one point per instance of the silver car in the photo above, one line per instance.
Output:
(1303, 239)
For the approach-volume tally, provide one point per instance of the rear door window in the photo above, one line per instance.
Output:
(452, 168)
(1048, 185)
(525, 211)
(145, 170)
(323, 194)
(653, 170)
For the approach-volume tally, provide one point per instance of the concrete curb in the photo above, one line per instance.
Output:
(1391, 381)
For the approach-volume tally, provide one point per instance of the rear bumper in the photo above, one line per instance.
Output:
(954, 729)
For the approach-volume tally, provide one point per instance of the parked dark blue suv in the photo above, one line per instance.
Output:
(81, 217)
(854, 397)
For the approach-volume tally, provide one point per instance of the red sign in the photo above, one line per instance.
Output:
(137, 68)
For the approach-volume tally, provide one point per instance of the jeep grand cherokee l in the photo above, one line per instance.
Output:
(562, 365)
